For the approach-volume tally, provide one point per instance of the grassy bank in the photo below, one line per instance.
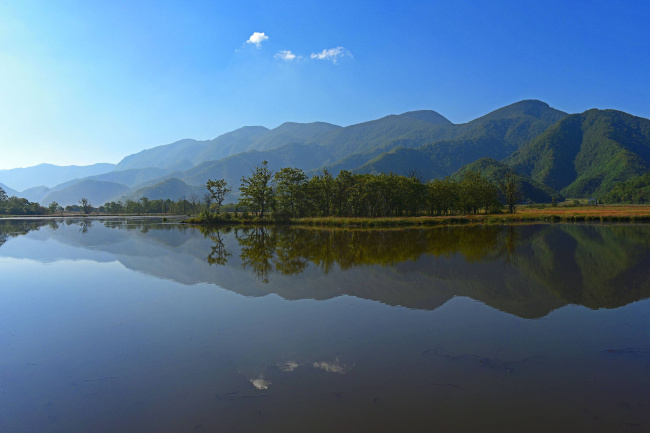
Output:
(637, 213)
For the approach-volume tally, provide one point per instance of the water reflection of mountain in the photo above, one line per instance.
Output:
(523, 270)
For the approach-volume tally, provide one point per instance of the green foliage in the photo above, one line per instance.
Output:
(219, 190)
(257, 190)
(291, 195)
(511, 190)
(529, 189)
(587, 154)
(636, 190)
(20, 206)
(54, 207)
(290, 186)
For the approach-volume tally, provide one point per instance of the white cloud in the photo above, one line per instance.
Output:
(285, 55)
(332, 54)
(257, 38)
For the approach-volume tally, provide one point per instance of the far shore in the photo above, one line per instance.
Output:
(524, 214)
(600, 213)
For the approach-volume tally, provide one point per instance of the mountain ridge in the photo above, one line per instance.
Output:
(575, 155)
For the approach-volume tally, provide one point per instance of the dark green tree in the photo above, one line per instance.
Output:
(290, 190)
(510, 189)
(257, 191)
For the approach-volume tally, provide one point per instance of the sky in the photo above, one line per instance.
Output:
(83, 82)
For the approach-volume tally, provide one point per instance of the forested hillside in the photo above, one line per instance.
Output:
(577, 155)
(587, 154)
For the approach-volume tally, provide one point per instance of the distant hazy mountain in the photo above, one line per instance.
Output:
(193, 152)
(9, 191)
(588, 153)
(49, 175)
(35, 194)
(168, 189)
(166, 156)
(130, 178)
(234, 167)
(98, 192)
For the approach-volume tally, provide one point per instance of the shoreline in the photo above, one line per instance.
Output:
(605, 214)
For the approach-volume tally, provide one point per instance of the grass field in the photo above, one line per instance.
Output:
(600, 213)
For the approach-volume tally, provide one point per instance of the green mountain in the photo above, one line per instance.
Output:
(417, 128)
(49, 175)
(98, 192)
(291, 133)
(587, 154)
(495, 135)
(493, 170)
(636, 190)
(578, 155)
(173, 189)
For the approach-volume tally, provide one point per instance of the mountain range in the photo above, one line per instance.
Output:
(555, 153)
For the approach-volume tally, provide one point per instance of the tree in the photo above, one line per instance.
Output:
(207, 201)
(219, 190)
(256, 190)
(145, 204)
(3, 195)
(53, 207)
(194, 200)
(290, 190)
(511, 191)
(85, 205)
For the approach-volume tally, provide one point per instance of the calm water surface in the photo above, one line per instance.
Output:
(140, 326)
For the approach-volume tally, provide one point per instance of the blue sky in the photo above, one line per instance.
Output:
(85, 81)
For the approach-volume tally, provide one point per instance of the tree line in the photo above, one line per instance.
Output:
(184, 205)
(289, 193)
(19, 206)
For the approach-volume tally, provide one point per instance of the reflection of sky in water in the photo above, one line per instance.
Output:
(332, 367)
(288, 366)
(98, 342)
(260, 383)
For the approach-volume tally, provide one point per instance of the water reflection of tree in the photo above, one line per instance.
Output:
(289, 251)
(257, 250)
(219, 254)
(14, 228)
(85, 225)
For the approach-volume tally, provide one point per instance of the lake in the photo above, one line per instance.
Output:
(140, 325)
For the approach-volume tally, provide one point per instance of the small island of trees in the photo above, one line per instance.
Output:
(289, 194)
